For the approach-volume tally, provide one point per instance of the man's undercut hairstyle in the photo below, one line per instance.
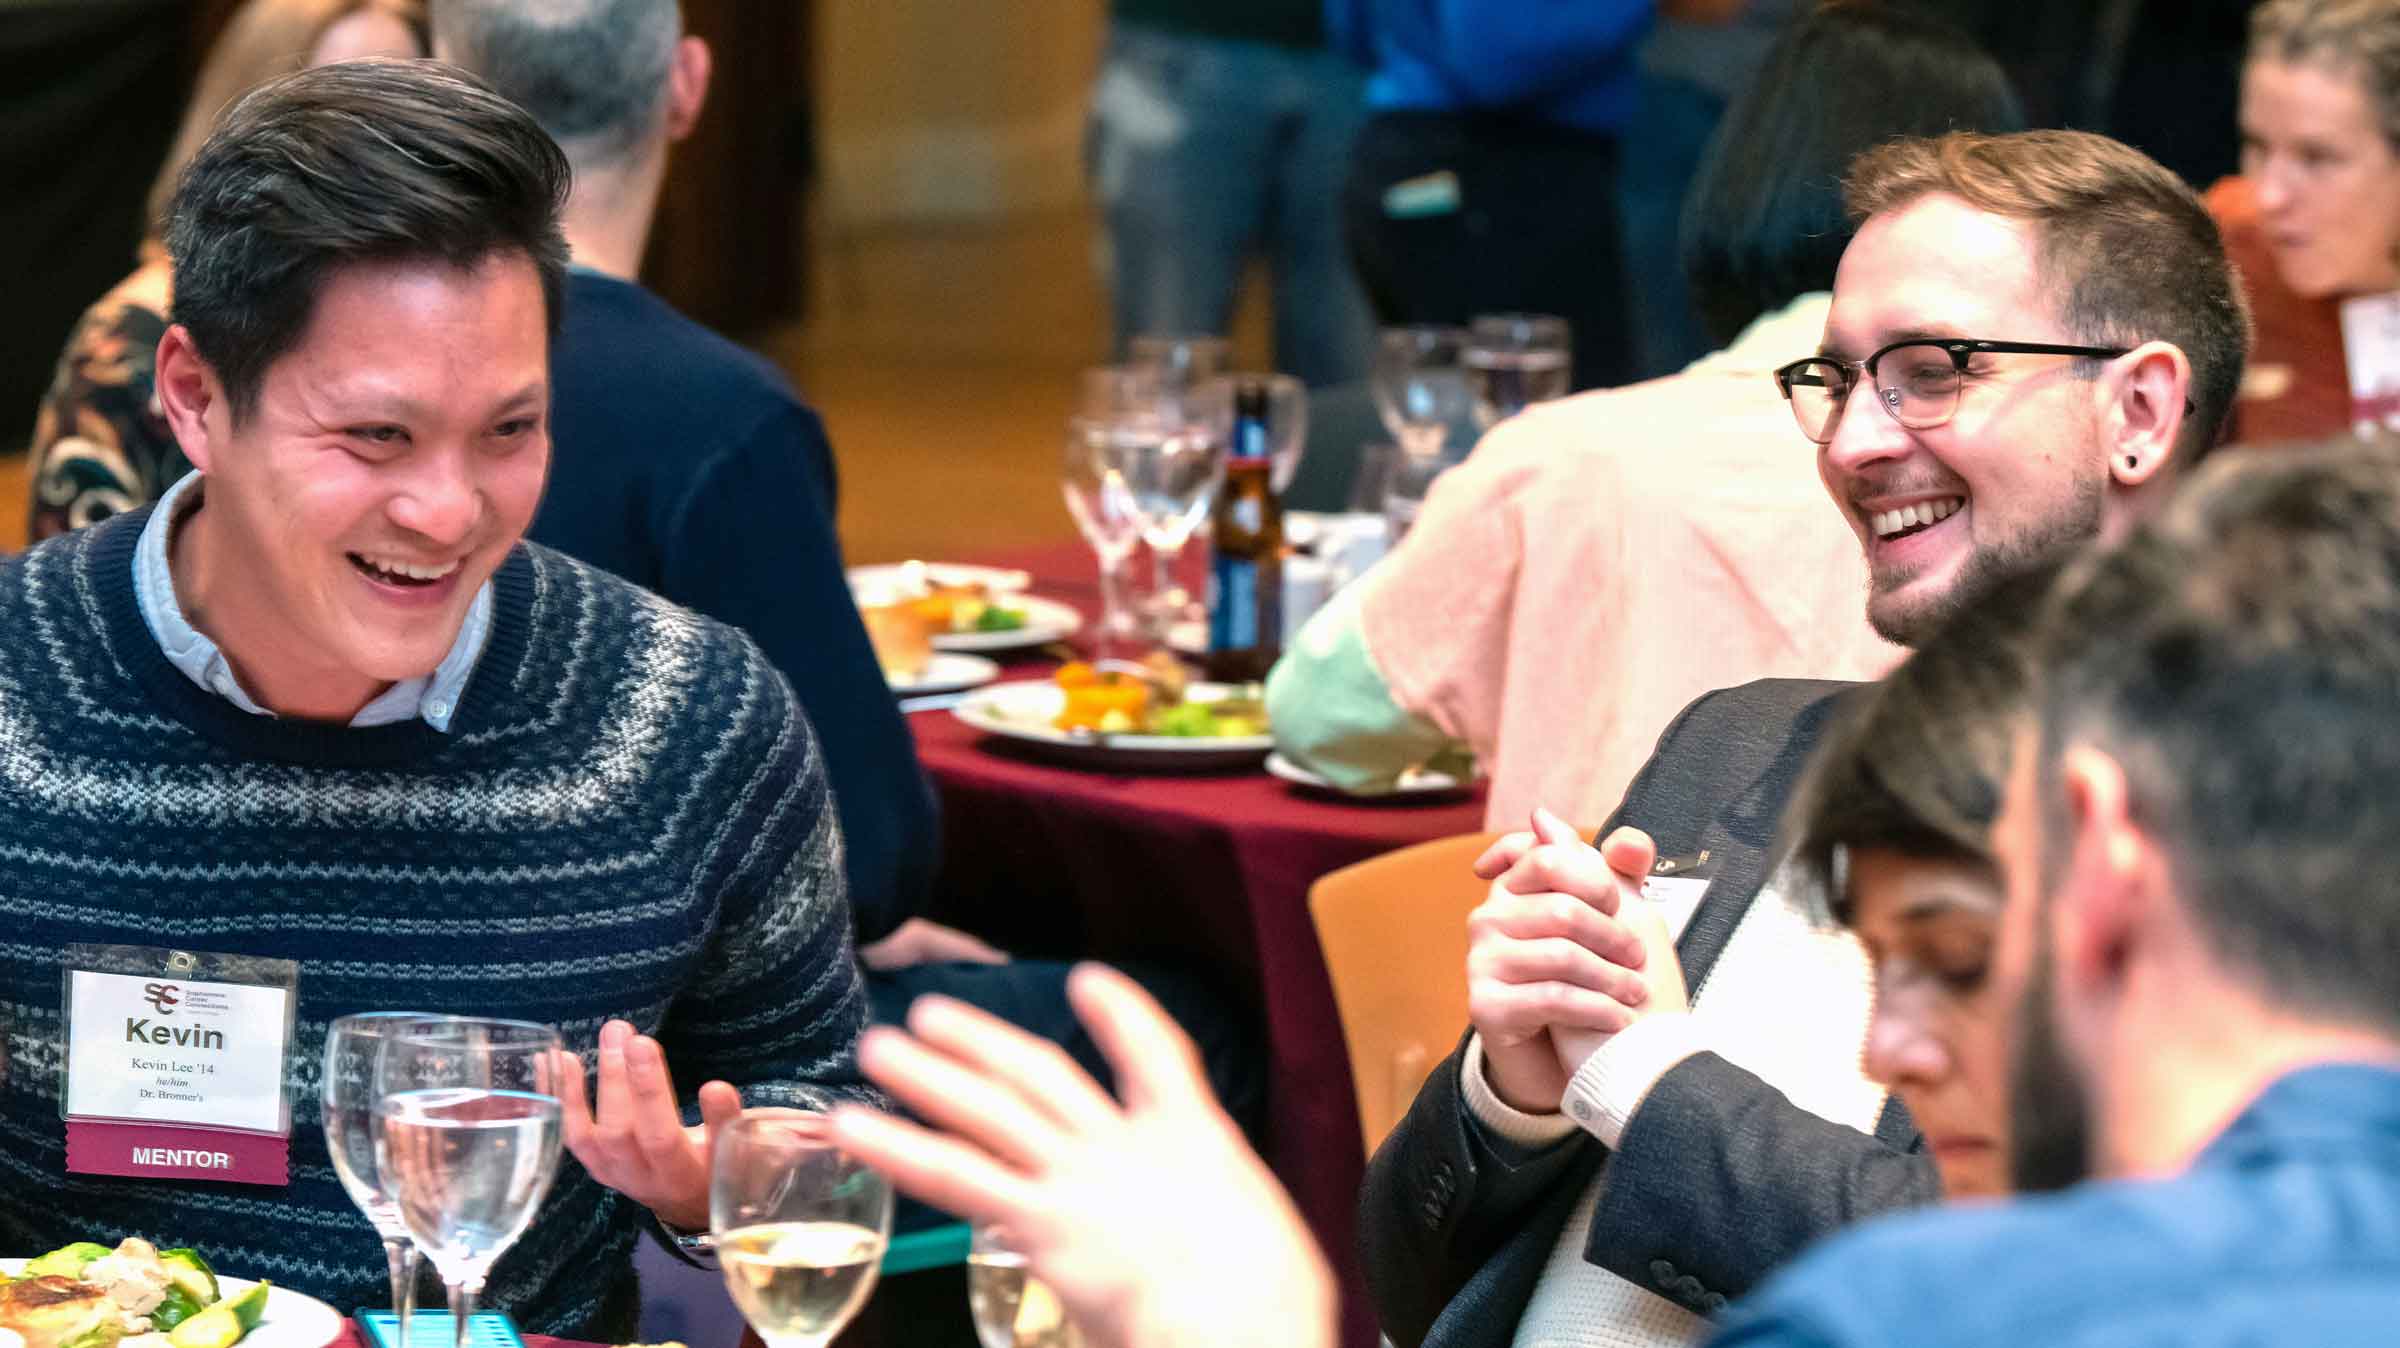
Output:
(2354, 39)
(1918, 762)
(2239, 655)
(1763, 222)
(592, 72)
(359, 161)
(2132, 254)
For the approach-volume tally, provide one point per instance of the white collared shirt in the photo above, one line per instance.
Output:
(433, 697)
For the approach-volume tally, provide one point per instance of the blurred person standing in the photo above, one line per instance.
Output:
(1486, 180)
(1218, 128)
(100, 445)
(1518, 619)
(2314, 217)
(1693, 67)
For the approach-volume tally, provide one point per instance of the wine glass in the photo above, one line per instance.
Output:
(1420, 385)
(466, 1139)
(800, 1227)
(1012, 1308)
(1100, 497)
(1514, 361)
(1287, 418)
(1404, 490)
(353, 1046)
(1174, 475)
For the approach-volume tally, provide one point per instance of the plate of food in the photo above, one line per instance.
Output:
(1425, 782)
(960, 608)
(88, 1295)
(1134, 717)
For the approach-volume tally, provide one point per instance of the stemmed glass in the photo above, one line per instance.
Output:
(1012, 1308)
(1100, 497)
(467, 1140)
(1287, 418)
(1516, 360)
(1175, 476)
(353, 1048)
(1420, 385)
(800, 1227)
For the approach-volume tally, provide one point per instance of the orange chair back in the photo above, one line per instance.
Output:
(1394, 932)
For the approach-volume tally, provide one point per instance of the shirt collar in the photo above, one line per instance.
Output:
(433, 697)
(1773, 339)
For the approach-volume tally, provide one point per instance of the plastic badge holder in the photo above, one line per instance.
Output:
(431, 1329)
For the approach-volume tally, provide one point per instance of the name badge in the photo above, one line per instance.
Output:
(2370, 348)
(1676, 885)
(175, 1064)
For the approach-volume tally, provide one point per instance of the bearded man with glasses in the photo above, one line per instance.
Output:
(2049, 333)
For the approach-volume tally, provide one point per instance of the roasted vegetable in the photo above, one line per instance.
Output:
(224, 1324)
(67, 1261)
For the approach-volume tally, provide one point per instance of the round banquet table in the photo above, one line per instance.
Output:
(1208, 872)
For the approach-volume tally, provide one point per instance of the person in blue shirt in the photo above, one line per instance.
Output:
(2197, 840)
(1486, 179)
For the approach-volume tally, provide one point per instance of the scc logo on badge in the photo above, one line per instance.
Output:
(164, 996)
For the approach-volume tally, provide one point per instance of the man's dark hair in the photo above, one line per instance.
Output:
(359, 161)
(1764, 221)
(2239, 655)
(1917, 763)
(592, 72)
(2133, 255)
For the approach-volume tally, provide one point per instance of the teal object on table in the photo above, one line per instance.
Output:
(431, 1329)
(935, 1247)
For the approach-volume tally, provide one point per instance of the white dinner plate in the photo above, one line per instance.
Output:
(291, 1320)
(913, 577)
(1416, 784)
(1023, 711)
(946, 672)
(1046, 620)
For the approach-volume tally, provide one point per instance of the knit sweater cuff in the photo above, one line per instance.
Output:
(1604, 1093)
(1500, 1118)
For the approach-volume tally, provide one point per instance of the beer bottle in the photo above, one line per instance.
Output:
(1245, 630)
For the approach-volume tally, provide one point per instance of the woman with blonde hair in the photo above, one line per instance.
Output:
(100, 446)
(2314, 217)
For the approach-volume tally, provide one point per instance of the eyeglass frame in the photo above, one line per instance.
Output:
(1960, 351)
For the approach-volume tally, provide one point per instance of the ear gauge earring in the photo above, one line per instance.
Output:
(2133, 461)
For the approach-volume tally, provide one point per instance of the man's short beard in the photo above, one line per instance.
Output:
(1985, 568)
(2049, 1109)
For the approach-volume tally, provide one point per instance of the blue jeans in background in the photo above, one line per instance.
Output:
(1207, 152)
(1661, 156)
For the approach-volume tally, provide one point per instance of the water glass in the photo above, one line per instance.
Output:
(467, 1140)
(1516, 360)
(1012, 1308)
(1421, 389)
(800, 1227)
(352, 1090)
(1404, 491)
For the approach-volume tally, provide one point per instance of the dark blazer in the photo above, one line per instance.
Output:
(1717, 1179)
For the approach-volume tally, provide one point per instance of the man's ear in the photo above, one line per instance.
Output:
(2100, 911)
(687, 86)
(2149, 393)
(191, 397)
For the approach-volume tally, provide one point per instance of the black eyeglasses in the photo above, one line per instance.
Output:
(1916, 381)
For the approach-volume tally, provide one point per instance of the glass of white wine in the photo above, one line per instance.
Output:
(800, 1228)
(1012, 1308)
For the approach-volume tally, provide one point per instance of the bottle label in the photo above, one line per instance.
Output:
(1234, 624)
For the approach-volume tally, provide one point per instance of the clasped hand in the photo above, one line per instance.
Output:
(1563, 954)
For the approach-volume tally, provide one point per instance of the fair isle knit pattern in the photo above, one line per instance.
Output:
(628, 819)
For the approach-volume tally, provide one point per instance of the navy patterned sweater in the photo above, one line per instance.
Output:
(628, 818)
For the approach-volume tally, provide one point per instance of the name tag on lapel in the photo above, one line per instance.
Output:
(1677, 884)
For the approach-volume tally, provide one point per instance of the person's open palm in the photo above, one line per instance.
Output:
(1152, 1220)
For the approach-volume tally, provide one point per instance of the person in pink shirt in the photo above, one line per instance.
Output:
(1600, 561)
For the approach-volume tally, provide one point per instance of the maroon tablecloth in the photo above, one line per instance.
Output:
(1206, 871)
